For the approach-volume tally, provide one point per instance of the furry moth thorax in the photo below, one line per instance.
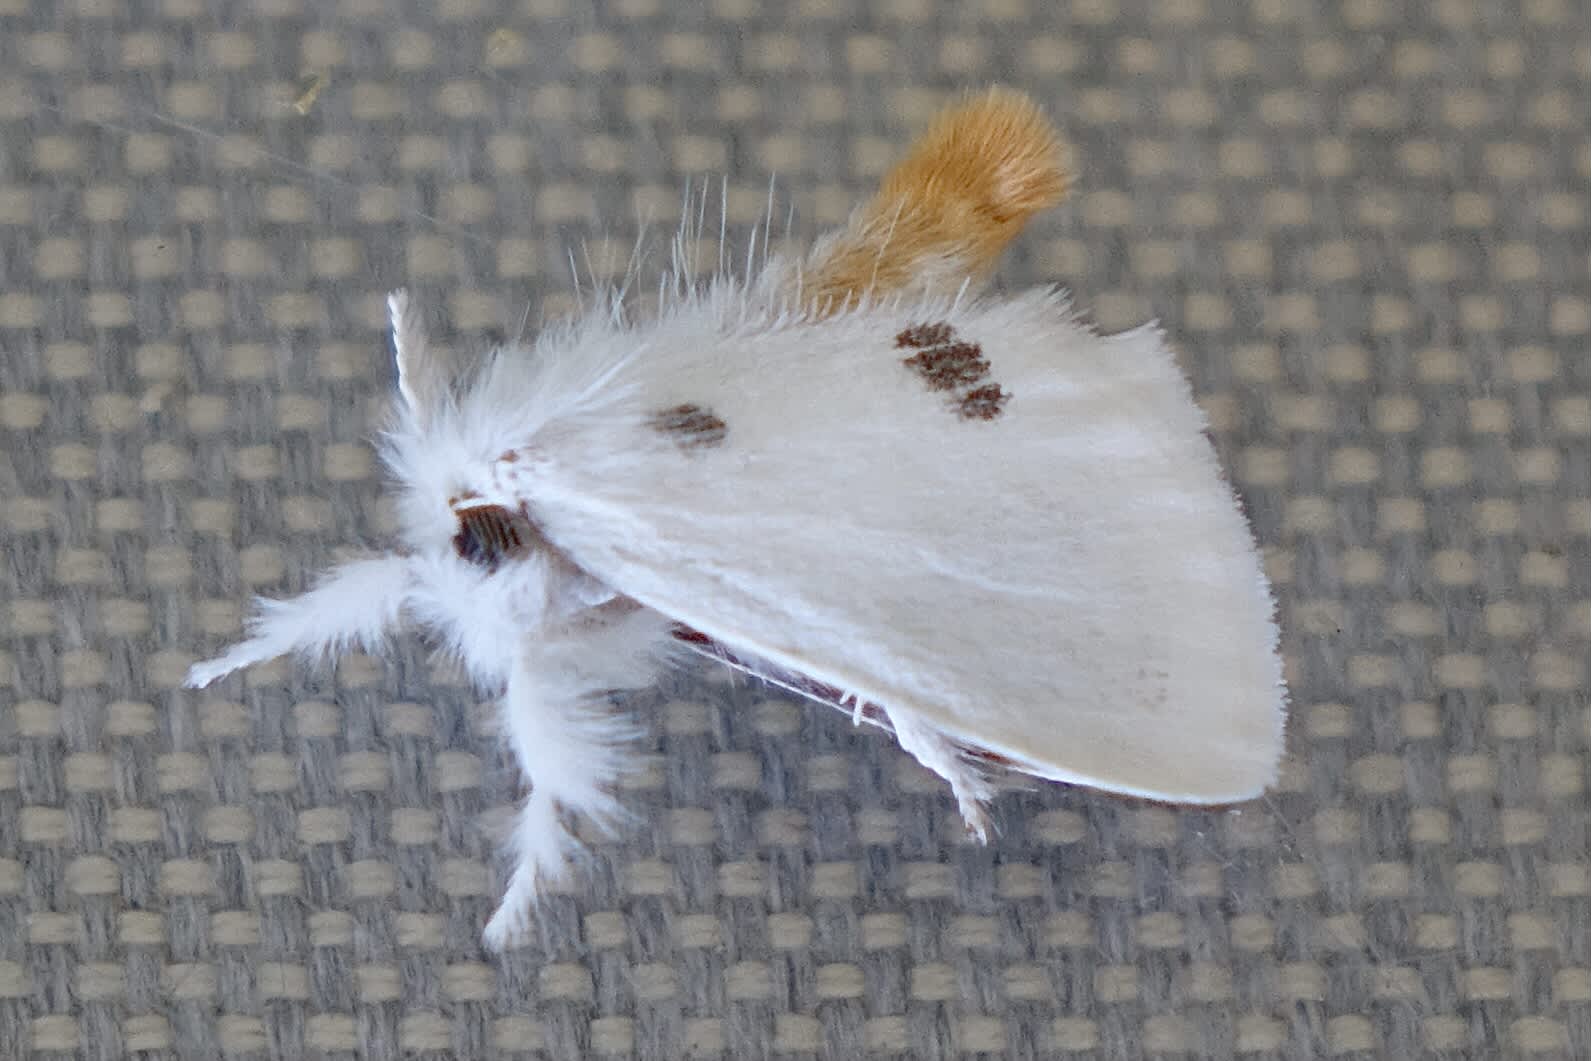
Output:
(964, 518)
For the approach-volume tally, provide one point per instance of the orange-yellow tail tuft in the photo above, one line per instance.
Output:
(949, 207)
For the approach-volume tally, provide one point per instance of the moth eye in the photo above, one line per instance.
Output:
(490, 534)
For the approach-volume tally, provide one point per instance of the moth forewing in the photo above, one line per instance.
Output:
(1059, 575)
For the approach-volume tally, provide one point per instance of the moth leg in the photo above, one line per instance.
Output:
(947, 759)
(572, 750)
(571, 755)
(537, 821)
(353, 604)
(947, 209)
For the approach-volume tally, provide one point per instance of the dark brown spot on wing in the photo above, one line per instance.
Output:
(690, 425)
(983, 403)
(949, 364)
(921, 335)
(490, 534)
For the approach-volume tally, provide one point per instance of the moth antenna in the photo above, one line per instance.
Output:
(282, 162)
(409, 350)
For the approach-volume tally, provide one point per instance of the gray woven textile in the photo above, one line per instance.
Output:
(1365, 226)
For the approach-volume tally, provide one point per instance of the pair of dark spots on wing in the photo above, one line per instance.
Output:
(949, 364)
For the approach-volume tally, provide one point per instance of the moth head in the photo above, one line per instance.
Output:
(490, 535)
(431, 450)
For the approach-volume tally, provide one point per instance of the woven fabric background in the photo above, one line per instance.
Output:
(1365, 226)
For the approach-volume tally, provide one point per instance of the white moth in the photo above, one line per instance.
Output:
(968, 519)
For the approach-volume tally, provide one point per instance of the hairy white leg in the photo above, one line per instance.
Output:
(570, 748)
(941, 755)
(572, 755)
(354, 604)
